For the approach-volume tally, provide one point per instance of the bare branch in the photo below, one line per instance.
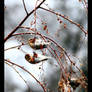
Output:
(25, 7)
(15, 29)
(19, 75)
(28, 73)
(61, 15)
(18, 46)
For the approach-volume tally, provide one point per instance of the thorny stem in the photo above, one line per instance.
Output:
(15, 29)
(27, 72)
(65, 17)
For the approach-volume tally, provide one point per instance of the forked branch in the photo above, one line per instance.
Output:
(25, 18)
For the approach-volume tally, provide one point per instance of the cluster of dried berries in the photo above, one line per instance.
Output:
(72, 82)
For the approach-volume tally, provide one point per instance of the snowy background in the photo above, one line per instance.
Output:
(68, 38)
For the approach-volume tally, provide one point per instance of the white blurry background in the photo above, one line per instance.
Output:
(68, 38)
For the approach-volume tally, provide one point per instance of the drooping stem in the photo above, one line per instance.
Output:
(28, 73)
(66, 18)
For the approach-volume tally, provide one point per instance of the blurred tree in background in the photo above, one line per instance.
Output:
(68, 30)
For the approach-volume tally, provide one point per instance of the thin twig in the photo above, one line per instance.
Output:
(61, 66)
(86, 6)
(56, 45)
(16, 28)
(25, 7)
(14, 47)
(19, 75)
(35, 15)
(61, 15)
(44, 88)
